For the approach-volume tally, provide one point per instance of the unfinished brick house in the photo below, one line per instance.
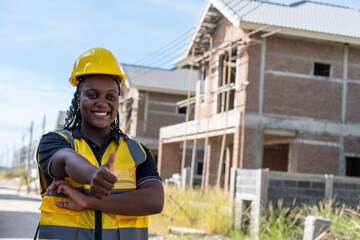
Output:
(278, 88)
(148, 102)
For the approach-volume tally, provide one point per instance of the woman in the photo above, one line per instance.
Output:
(106, 184)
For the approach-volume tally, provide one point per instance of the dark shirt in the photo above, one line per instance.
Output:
(52, 142)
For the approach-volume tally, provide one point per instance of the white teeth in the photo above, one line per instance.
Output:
(100, 113)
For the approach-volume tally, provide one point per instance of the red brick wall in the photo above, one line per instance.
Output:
(169, 161)
(159, 114)
(306, 48)
(353, 91)
(252, 93)
(275, 157)
(215, 144)
(302, 95)
(249, 148)
(354, 53)
(353, 100)
(318, 137)
(317, 159)
(352, 145)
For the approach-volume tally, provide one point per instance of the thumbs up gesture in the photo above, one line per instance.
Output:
(103, 180)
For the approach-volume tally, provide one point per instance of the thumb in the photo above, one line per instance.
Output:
(111, 161)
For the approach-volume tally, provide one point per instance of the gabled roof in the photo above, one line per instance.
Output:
(301, 18)
(159, 80)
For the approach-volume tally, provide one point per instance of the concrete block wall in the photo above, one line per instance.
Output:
(246, 184)
(346, 190)
(259, 187)
(295, 189)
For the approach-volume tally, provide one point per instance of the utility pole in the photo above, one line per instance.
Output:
(29, 153)
(28, 177)
(44, 124)
(7, 157)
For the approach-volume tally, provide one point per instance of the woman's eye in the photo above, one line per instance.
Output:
(92, 95)
(111, 97)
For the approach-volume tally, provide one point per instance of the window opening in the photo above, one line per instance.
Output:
(276, 157)
(224, 68)
(353, 166)
(322, 69)
(181, 110)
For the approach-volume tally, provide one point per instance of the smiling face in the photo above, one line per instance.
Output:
(98, 103)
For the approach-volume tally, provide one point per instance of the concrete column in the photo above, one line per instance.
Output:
(146, 110)
(329, 186)
(233, 173)
(341, 163)
(185, 180)
(345, 79)
(238, 213)
(259, 132)
(206, 175)
(160, 149)
(259, 147)
(236, 147)
(134, 116)
(262, 76)
(261, 183)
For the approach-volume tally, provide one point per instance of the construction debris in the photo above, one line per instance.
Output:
(187, 231)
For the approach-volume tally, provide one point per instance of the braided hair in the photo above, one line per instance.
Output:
(74, 117)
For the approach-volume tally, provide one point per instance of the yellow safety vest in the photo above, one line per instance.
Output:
(61, 223)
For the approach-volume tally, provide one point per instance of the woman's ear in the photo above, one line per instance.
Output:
(78, 99)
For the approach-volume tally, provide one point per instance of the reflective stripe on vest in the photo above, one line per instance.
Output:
(60, 223)
(66, 233)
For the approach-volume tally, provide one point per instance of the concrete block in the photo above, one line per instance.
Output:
(303, 184)
(276, 183)
(289, 183)
(319, 185)
(314, 226)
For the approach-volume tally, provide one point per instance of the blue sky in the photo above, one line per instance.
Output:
(40, 40)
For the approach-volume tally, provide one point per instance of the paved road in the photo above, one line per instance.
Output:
(19, 213)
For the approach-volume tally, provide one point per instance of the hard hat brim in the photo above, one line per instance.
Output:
(74, 82)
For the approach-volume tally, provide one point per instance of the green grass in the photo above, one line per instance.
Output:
(210, 211)
(12, 173)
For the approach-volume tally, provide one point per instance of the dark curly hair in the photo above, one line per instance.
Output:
(73, 118)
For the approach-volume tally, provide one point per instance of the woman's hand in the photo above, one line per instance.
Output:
(77, 200)
(103, 181)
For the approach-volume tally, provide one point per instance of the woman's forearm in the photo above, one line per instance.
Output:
(148, 199)
(67, 163)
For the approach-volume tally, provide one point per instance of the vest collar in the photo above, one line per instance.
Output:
(77, 134)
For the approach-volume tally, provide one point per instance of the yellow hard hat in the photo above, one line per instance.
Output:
(96, 61)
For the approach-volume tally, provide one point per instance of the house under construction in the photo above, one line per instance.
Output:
(148, 102)
(278, 88)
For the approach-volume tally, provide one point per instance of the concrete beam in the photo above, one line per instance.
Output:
(309, 125)
(212, 126)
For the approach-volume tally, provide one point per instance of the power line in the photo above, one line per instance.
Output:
(174, 42)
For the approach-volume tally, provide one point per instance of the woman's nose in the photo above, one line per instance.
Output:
(102, 102)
